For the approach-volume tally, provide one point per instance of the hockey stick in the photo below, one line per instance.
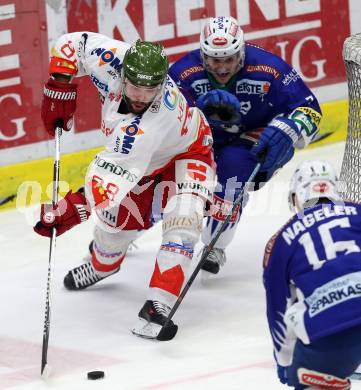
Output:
(7, 199)
(168, 332)
(56, 170)
(356, 376)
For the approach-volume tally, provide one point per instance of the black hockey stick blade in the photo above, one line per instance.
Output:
(167, 332)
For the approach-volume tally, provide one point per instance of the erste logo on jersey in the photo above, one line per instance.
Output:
(107, 57)
(131, 132)
(201, 86)
(253, 87)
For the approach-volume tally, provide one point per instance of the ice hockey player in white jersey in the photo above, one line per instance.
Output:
(158, 153)
(312, 276)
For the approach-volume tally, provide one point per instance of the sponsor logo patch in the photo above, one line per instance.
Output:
(194, 69)
(99, 84)
(130, 133)
(221, 208)
(170, 99)
(333, 293)
(115, 169)
(290, 77)
(252, 87)
(183, 250)
(201, 86)
(187, 187)
(264, 69)
(107, 57)
(315, 116)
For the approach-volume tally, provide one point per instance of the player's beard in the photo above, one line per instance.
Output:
(137, 107)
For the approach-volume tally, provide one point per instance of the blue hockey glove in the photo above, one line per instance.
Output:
(282, 374)
(277, 144)
(217, 97)
(221, 109)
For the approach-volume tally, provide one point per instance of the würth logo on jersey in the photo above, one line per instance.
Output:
(131, 131)
(59, 95)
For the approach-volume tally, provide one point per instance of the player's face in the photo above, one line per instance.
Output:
(140, 96)
(223, 68)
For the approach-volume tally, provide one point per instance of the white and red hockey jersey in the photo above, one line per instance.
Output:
(135, 145)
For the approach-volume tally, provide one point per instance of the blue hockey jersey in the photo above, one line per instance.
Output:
(312, 276)
(266, 86)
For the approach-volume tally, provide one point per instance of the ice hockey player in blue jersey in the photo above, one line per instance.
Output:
(312, 277)
(248, 95)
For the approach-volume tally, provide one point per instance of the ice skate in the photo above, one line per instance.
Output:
(215, 260)
(151, 319)
(83, 276)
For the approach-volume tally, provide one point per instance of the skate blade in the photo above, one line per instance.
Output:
(151, 331)
(207, 277)
(146, 330)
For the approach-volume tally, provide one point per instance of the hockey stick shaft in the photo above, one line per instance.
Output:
(208, 249)
(46, 331)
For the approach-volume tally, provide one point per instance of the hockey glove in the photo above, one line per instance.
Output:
(58, 105)
(217, 97)
(221, 109)
(70, 211)
(277, 144)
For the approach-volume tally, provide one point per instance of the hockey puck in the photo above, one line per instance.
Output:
(94, 375)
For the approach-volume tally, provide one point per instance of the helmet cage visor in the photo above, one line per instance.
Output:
(312, 181)
(217, 65)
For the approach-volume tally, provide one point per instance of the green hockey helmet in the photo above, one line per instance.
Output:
(145, 63)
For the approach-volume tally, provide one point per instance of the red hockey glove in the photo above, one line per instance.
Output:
(59, 104)
(70, 211)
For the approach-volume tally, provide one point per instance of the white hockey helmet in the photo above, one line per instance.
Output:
(222, 37)
(311, 181)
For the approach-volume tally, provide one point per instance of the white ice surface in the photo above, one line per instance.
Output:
(222, 342)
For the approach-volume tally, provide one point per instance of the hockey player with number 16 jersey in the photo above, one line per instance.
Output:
(312, 276)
